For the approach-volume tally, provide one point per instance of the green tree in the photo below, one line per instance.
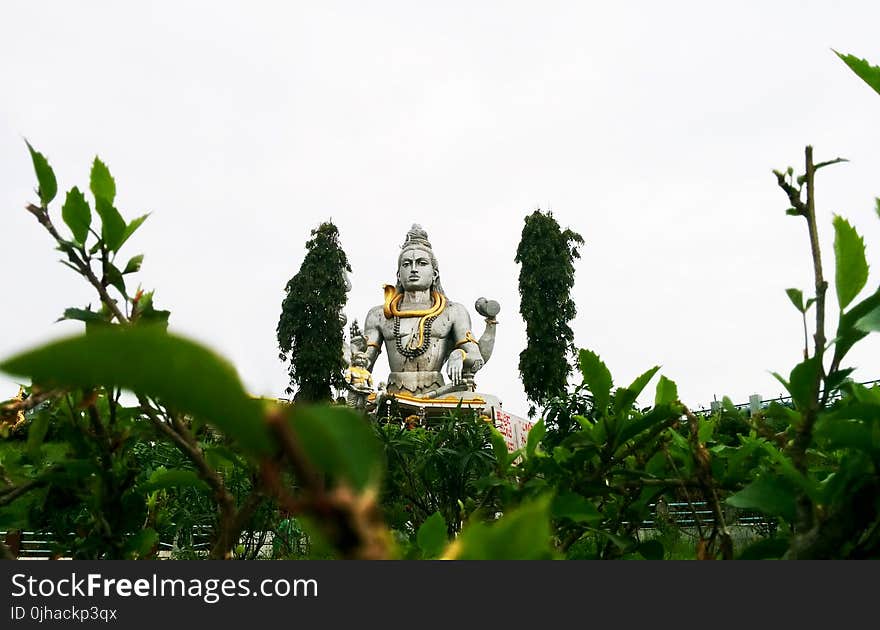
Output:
(310, 327)
(546, 277)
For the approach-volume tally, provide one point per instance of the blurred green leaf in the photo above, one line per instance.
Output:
(797, 298)
(705, 430)
(840, 434)
(522, 534)
(870, 322)
(632, 428)
(868, 73)
(175, 478)
(147, 360)
(768, 494)
(114, 277)
(37, 430)
(851, 268)
(431, 536)
(848, 332)
(499, 446)
(134, 264)
(575, 507)
(597, 379)
(536, 434)
(112, 224)
(77, 215)
(804, 382)
(48, 186)
(141, 544)
(626, 397)
(82, 315)
(130, 228)
(338, 442)
(667, 392)
(101, 182)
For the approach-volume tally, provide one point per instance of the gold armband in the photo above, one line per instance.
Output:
(468, 337)
(374, 344)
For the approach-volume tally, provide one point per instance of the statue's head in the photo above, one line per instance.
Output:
(417, 267)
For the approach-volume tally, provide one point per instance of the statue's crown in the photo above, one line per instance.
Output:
(416, 236)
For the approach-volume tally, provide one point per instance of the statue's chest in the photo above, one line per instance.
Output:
(408, 327)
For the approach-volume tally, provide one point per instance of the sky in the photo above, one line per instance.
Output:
(651, 129)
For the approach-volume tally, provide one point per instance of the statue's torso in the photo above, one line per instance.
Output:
(439, 343)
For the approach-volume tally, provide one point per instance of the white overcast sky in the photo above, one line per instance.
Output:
(651, 128)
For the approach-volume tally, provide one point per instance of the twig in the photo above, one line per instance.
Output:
(702, 460)
(81, 265)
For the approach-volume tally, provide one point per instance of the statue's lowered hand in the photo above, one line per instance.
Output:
(455, 366)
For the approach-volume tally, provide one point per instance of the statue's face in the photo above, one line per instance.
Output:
(415, 270)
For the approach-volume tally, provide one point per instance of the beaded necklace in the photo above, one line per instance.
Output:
(426, 318)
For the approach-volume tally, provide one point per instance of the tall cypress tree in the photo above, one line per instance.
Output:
(310, 334)
(546, 278)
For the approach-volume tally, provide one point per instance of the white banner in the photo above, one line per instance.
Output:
(514, 429)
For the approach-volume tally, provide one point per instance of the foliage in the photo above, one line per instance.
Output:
(546, 254)
(435, 469)
(868, 73)
(309, 329)
(133, 437)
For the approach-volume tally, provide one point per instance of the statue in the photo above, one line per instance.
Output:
(359, 381)
(421, 330)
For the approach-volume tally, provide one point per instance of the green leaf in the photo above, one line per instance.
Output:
(338, 442)
(523, 534)
(868, 73)
(597, 379)
(803, 383)
(499, 446)
(431, 536)
(536, 434)
(667, 392)
(82, 315)
(797, 298)
(848, 332)
(48, 186)
(842, 434)
(870, 322)
(632, 428)
(651, 550)
(114, 277)
(77, 215)
(768, 494)
(147, 360)
(161, 479)
(101, 182)
(130, 228)
(37, 430)
(142, 543)
(851, 268)
(134, 264)
(112, 224)
(625, 398)
(706, 430)
(575, 507)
